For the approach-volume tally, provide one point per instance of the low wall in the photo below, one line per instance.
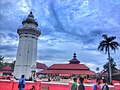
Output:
(117, 86)
(55, 86)
(13, 85)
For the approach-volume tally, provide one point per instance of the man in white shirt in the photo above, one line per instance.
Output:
(104, 86)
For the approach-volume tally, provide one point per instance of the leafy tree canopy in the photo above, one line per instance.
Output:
(113, 66)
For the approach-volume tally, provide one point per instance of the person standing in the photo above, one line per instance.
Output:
(74, 84)
(97, 85)
(21, 83)
(81, 86)
(104, 86)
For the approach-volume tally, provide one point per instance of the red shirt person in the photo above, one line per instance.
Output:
(97, 85)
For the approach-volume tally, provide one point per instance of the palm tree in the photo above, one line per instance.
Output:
(106, 45)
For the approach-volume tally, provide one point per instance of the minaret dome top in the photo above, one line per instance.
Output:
(30, 19)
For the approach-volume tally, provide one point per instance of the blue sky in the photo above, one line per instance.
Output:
(67, 26)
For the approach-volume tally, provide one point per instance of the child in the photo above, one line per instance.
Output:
(33, 88)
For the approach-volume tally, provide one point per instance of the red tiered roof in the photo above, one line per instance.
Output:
(83, 72)
(72, 68)
(7, 69)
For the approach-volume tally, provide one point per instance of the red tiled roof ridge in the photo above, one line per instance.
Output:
(67, 63)
(69, 66)
(85, 72)
(65, 69)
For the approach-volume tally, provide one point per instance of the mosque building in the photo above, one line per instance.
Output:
(73, 68)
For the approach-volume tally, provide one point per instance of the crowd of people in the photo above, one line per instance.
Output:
(100, 84)
(77, 84)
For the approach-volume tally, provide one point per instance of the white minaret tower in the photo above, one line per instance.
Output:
(27, 49)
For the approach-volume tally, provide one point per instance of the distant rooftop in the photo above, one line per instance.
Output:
(41, 66)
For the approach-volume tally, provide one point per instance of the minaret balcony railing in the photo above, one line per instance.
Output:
(28, 27)
(29, 30)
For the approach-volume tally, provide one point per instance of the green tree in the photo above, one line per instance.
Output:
(1, 61)
(12, 65)
(106, 45)
(113, 66)
(97, 69)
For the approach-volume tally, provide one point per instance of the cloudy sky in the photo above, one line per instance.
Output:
(67, 26)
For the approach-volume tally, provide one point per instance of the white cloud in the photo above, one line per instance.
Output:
(22, 5)
(93, 66)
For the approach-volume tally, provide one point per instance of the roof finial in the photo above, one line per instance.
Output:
(74, 55)
(31, 15)
(74, 60)
(31, 12)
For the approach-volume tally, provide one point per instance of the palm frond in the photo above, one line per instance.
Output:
(113, 47)
(115, 43)
(112, 38)
(105, 36)
(101, 47)
(103, 42)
